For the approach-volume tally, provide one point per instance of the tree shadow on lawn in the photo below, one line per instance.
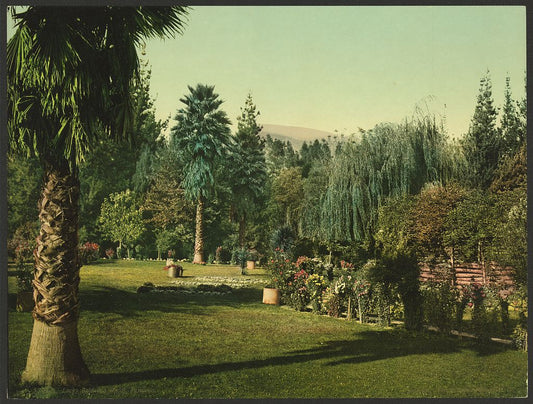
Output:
(369, 346)
(131, 304)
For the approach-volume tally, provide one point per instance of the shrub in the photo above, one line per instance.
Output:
(440, 303)
(316, 285)
(362, 289)
(282, 241)
(24, 278)
(88, 253)
(109, 253)
(222, 255)
(332, 302)
(298, 293)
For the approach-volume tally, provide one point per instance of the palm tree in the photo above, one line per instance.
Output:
(70, 72)
(201, 136)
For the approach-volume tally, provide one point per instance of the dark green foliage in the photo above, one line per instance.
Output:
(279, 154)
(469, 227)
(512, 131)
(133, 163)
(401, 271)
(24, 177)
(482, 143)
(247, 168)
(57, 115)
(440, 302)
(282, 240)
(288, 194)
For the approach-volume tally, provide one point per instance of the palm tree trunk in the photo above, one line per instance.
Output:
(54, 356)
(199, 239)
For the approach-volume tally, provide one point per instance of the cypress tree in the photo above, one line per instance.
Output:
(482, 142)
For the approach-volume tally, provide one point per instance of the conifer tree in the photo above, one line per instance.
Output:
(512, 135)
(482, 142)
(247, 167)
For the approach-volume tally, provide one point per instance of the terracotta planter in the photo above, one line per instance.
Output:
(271, 296)
(250, 264)
(25, 301)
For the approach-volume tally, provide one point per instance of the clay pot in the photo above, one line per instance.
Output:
(271, 296)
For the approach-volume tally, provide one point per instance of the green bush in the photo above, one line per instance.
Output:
(440, 303)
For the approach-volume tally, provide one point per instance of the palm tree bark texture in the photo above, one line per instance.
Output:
(55, 356)
(199, 238)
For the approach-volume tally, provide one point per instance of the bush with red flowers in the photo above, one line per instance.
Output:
(88, 252)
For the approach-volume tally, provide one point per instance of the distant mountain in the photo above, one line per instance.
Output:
(295, 134)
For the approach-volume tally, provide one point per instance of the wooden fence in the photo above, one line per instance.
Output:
(468, 273)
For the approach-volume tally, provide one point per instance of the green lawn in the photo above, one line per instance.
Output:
(175, 345)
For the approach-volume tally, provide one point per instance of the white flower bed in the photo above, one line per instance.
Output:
(235, 283)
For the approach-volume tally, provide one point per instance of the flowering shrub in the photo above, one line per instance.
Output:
(316, 286)
(361, 290)
(315, 266)
(332, 302)
(88, 253)
(298, 294)
(281, 274)
(109, 253)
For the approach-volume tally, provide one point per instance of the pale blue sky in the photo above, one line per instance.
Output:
(343, 67)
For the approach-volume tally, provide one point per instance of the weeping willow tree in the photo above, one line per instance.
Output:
(389, 160)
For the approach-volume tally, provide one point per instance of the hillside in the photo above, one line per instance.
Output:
(296, 135)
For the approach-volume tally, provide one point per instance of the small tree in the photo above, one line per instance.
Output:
(121, 220)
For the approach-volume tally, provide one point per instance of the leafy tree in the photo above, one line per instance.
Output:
(70, 71)
(314, 187)
(510, 244)
(279, 155)
(202, 136)
(287, 192)
(469, 227)
(428, 216)
(482, 142)
(169, 213)
(247, 167)
(389, 160)
(394, 225)
(316, 153)
(121, 220)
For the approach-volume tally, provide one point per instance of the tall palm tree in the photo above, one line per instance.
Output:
(202, 136)
(70, 72)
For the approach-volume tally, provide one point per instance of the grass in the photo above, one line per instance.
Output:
(172, 345)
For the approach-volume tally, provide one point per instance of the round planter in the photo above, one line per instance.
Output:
(173, 272)
(250, 264)
(25, 301)
(271, 296)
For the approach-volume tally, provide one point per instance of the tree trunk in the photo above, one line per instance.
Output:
(242, 230)
(199, 239)
(54, 356)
